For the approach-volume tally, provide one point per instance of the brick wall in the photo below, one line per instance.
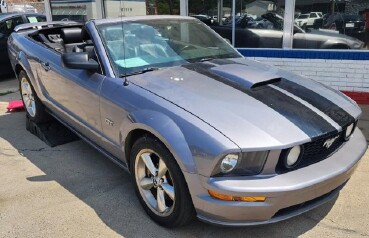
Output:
(349, 76)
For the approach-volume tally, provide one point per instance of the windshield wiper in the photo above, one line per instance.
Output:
(206, 59)
(139, 72)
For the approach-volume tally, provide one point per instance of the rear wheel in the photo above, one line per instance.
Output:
(34, 107)
(159, 183)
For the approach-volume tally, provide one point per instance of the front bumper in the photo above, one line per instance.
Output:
(287, 194)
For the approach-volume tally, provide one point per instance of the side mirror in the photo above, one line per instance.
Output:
(79, 60)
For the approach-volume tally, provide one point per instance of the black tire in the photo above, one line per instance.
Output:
(40, 112)
(182, 211)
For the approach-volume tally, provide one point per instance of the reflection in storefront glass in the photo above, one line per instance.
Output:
(259, 24)
(62, 10)
(115, 8)
(332, 24)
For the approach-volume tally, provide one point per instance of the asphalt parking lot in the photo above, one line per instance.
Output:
(73, 191)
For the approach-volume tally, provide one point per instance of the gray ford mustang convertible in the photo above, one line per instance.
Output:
(203, 131)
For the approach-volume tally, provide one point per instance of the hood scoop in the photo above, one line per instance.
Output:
(245, 76)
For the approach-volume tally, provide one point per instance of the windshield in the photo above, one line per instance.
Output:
(139, 45)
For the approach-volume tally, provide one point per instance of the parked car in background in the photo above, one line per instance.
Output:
(5, 8)
(249, 37)
(8, 21)
(208, 20)
(347, 24)
(249, 21)
(307, 20)
(302, 19)
(203, 131)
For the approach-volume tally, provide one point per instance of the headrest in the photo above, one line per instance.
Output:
(71, 35)
(85, 35)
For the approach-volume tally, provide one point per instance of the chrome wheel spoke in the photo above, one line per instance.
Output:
(27, 101)
(162, 169)
(161, 200)
(30, 103)
(26, 88)
(168, 189)
(149, 164)
(146, 183)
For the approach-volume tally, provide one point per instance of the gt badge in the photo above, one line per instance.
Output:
(328, 143)
(109, 122)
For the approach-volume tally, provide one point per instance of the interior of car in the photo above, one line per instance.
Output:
(66, 40)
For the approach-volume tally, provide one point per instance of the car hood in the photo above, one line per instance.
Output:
(254, 105)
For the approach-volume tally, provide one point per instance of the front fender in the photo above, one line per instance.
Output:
(166, 130)
(24, 63)
(331, 44)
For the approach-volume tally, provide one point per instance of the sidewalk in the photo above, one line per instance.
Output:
(363, 123)
(8, 87)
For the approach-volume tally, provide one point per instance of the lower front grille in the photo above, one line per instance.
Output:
(309, 204)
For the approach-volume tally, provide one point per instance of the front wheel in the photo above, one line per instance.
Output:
(159, 183)
(34, 107)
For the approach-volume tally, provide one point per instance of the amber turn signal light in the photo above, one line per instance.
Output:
(235, 198)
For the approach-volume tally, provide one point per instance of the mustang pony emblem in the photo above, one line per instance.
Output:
(328, 143)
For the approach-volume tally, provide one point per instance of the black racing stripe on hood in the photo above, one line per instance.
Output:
(303, 117)
(329, 108)
(307, 120)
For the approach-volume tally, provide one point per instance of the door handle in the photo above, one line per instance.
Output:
(46, 66)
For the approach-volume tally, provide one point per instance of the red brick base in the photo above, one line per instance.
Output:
(359, 97)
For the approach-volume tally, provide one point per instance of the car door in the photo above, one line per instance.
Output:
(73, 94)
(6, 28)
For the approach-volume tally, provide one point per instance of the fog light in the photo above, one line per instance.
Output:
(235, 198)
(293, 156)
(229, 163)
(349, 131)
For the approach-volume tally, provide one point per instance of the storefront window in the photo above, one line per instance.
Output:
(115, 8)
(327, 24)
(259, 24)
(62, 10)
(166, 7)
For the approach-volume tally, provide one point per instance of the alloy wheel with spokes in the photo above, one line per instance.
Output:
(35, 109)
(28, 97)
(159, 183)
(155, 182)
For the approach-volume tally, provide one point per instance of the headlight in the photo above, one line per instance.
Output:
(243, 164)
(292, 157)
(228, 163)
(349, 130)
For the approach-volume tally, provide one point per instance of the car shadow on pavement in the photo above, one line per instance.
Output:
(108, 190)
